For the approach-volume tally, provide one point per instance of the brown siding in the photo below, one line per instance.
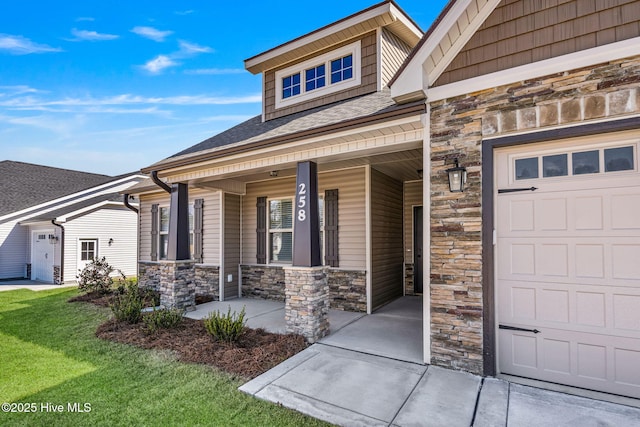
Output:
(350, 184)
(525, 31)
(393, 51)
(368, 82)
(386, 239)
(231, 244)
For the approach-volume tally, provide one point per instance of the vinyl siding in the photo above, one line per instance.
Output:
(412, 197)
(102, 225)
(231, 244)
(524, 31)
(14, 251)
(351, 211)
(386, 239)
(394, 51)
(210, 225)
(368, 82)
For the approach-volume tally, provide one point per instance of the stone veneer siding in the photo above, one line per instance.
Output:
(28, 271)
(57, 279)
(207, 281)
(306, 310)
(177, 284)
(458, 125)
(409, 289)
(203, 279)
(263, 281)
(347, 290)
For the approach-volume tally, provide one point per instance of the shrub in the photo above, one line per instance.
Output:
(164, 318)
(127, 304)
(225, 328)
(96, 276)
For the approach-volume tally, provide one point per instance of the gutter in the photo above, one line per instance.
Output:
(159, 182)
(53, 221)
(127, 204)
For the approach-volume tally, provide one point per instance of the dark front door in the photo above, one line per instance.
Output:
(417, 249)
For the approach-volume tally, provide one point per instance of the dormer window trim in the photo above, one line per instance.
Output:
(314, 84)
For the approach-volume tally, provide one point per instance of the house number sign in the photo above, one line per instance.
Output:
(306, 231)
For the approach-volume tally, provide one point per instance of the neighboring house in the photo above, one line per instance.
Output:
(542, 284)
(54, 221)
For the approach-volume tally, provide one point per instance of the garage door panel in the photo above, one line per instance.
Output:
(624, 212)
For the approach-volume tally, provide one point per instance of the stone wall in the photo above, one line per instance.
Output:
(57, 277)
(458, 126)
(207, 281)
(347, 290)
(306, 310)
(263, 281)
(408, 279)
(149, 275)
(203, 280)
(177, 284)
(28, 276)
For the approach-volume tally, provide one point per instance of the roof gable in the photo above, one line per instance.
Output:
(25, 184)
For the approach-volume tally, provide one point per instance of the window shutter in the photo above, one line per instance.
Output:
(261, 231)
(331, 228)
(197, 229)
(154, 232)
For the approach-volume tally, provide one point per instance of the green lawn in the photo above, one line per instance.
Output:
(49, 356)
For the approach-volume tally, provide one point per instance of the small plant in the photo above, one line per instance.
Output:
(96, 276)
(225, 328)
(162, 319)
(127, 304)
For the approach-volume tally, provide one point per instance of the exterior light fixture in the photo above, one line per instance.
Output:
(111, 241)
(457, 178)
(273, 173)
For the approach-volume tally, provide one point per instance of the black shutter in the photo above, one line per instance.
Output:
(197, 229)
(261, 231)
(154, 232)
(331, 228)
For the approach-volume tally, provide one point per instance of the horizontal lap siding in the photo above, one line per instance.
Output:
(231, 244)
(394, 52)
(351, 213)
(386, 238)
(102, 225)
(14, 250)
(412, 197)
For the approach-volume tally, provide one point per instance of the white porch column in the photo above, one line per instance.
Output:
(426, 236)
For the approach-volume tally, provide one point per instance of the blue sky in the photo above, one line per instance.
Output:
(113, 86)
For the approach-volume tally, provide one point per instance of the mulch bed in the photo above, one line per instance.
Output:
(256, 351)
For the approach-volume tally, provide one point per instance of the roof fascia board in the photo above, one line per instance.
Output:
(571, 61)
(253, 64)
(414, 80)
(75, 197)
(241, 147)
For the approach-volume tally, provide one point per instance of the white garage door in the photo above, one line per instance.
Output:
(568, 263)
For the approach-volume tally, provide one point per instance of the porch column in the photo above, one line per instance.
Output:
(306, 285)
(179, 224)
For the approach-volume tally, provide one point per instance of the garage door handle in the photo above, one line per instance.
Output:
(516, 190)
(515, 328)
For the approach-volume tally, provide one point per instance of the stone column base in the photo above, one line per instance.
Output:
(177, 284)
(307, 302)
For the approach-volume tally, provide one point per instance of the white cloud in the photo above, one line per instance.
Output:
(85, 19)
(16, 90)
(159, 63)
(187, 48)
(18, 45)
(184, 12)
(91, 35)
(216, 71)
(151, 33)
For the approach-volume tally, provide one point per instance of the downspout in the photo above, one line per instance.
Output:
(128, 205)
(160, 183)
(53, 221)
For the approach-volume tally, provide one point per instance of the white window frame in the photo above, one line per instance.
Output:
(353, 49)
(166, 233)
(80, 251)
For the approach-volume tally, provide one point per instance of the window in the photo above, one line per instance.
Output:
(87, 250)
(291, 86)
(586, 162)
(618, 159)
(163, 231)
(314, 78)
(281, 230)
(527, 168)
(555, 165)
(342, 69)
(331, 72)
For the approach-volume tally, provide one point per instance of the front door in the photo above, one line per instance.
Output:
(417, 250)
(42, 256)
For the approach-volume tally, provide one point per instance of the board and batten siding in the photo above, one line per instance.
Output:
(394, 51)
(412, 197)
(119, 224)
(369, 81)
(210, 223)
(231, 244)
(351, 212)
(14, 250)
(386, 239)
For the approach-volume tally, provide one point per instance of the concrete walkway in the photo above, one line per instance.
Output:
(350, 388)
(32, 285)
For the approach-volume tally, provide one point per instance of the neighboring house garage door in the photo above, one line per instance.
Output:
(568, 263)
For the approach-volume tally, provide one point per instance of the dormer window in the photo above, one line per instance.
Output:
(331, 72)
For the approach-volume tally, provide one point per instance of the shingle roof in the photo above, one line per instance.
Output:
(24, 184)
(255, 130)
(111, 197)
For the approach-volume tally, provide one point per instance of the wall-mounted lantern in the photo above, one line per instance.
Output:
(111, 241)
(457, 178)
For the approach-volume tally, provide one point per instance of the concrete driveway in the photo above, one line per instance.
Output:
(32, 285)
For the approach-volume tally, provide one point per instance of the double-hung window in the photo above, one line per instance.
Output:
(163, 231)
(281, 230)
